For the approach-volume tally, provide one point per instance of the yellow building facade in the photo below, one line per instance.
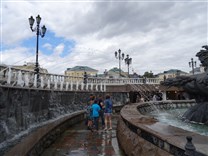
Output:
(79, 71)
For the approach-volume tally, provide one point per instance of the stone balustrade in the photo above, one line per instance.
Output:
(140, 134)
(24, 78)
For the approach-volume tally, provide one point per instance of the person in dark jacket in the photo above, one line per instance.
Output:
(101, 113)
(108, 112)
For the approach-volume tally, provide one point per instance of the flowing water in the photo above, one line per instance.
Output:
(174, 118)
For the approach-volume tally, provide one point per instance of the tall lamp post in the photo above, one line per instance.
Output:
(192, 64)
(128, 61)
(120, 57)
(39, 32)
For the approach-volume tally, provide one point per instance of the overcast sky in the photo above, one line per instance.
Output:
(158, 35)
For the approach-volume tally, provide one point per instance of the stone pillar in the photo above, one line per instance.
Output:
(77, 86)
(56, 84)
(71, 85)
(35, 81)
(26, 80)
(101, 87)
(67, 85)
(104, 87)
(61, 85)
(87, 86)
(41, 82)
(82, 86)
(9, 75)
(164, 96)
(49, 84)
(91, 87)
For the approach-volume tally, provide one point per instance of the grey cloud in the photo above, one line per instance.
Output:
(154, 34)
(110, 19)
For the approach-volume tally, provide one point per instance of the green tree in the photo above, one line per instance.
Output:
(148, 74)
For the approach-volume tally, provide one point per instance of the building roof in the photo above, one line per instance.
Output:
(115, 69)
(172, 71)
(30, 67)
(82, 68)
(115, 72)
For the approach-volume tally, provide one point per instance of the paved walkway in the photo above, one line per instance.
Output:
(78, 141)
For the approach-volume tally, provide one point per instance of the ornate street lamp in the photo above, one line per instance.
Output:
(128, 61)
(120, 57)
(40, 32)
(192, 64)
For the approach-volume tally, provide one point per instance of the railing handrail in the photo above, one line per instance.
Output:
(18, 76)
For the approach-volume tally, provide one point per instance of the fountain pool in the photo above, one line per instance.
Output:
(174, 118)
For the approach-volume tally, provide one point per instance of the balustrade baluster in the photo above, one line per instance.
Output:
(26, 79)
(35, 81)
(96, 87)
(41, 82)
(9, 76)
(101, 86)
(48, 86)
(92, 86)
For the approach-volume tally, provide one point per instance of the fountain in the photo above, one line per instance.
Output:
(197, 87)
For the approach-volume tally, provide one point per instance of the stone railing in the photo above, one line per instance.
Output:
(25, 78)
(140, 134)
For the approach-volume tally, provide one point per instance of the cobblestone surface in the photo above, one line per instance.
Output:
(78, 141)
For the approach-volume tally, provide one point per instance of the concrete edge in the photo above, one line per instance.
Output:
(168, 138)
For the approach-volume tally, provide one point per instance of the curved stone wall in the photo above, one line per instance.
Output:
(23, 110)
(43, 137)
(140, 134)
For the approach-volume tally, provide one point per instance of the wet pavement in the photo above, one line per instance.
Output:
(78, 141)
